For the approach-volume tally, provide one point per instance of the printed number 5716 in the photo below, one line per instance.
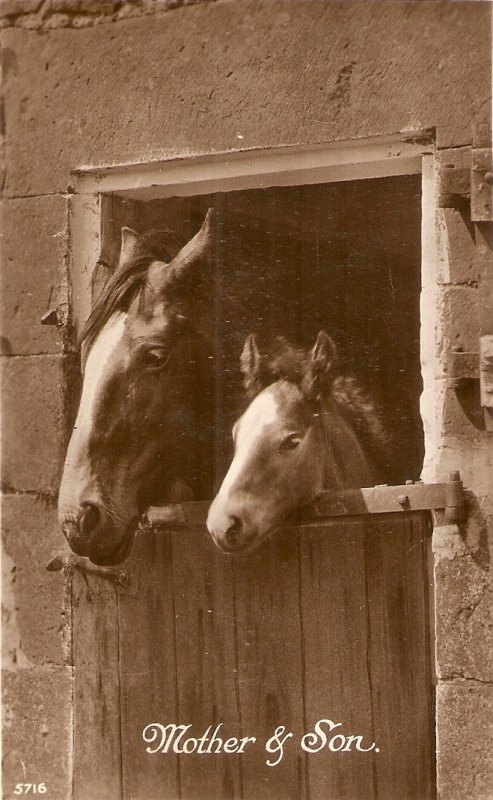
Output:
(33, 788)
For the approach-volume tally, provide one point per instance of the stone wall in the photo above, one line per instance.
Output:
(49, 14)
(102, 83)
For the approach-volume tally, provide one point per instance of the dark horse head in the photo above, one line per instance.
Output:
(143, 348)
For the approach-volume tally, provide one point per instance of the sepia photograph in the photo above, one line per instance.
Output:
(247, 399)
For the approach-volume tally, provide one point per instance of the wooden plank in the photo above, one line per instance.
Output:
(400, 656)
(367, 656)
(335, 652)
(97, 747)
(206, 664)
(147, 666)
(270, 674)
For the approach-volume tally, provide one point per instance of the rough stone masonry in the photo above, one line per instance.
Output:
(95, 82)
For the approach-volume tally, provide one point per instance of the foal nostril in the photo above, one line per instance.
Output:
(234, 529)
(91, 517)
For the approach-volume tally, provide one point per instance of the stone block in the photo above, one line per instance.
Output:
(81, 6)
(50, 14)
(428, 313)
(464, 742)
(456, 262)
(463, 606)
(37, 730)
(215, 72)
(458, 313)
(37, 397)
(34, 615)
(453, 172)
(10, 8)
(462, 414)
(34, 275)
(474, 460)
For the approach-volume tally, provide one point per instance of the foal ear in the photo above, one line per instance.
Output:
(130, 239)
(319, 369)
(252, 367)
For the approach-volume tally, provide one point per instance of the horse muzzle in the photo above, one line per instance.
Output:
(91, 533)
(230, 533)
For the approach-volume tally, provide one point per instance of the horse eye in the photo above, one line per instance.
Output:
(156, 357)
(290, 442)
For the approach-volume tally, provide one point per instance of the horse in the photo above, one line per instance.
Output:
(308, 427)
(145, 357)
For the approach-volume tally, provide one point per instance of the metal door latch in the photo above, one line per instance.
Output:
(70, 561)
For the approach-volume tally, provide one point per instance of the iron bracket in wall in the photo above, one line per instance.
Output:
(461, 367)
(472, 371)
(454, 182)
(468, 175)
(482, 184)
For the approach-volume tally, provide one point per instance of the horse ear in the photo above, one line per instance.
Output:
(178, 275)
(252, 367)
(130, 239)
(319, 369)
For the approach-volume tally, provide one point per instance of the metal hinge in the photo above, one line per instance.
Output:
(384, 499)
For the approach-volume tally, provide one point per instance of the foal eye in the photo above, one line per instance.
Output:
(290, 442)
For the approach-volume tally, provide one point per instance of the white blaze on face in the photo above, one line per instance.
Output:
(96, 369)
(261, 413)
(78, 479)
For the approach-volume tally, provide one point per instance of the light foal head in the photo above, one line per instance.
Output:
(291, 443)
(141, 349)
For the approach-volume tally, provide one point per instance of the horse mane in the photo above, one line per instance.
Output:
(353, 401)
(125, 282)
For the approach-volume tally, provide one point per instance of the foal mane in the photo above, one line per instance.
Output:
(353, 401)
(128, 280)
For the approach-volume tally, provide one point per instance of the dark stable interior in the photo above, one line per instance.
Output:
(343, 257)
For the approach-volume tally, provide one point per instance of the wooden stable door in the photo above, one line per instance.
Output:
(328, 621)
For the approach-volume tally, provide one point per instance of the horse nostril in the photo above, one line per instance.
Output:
(91, 516)
(234, 529)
